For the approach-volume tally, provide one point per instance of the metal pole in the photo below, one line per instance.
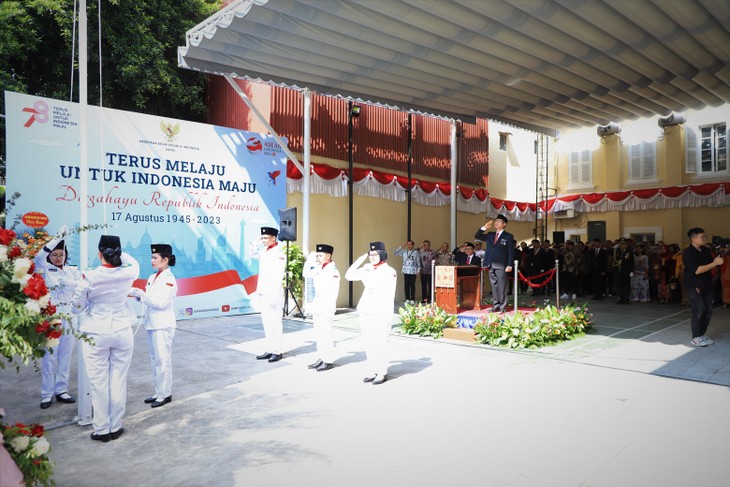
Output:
(433, 278)
(516, 285)
(557, 284)
(350, 198)
(410, 171)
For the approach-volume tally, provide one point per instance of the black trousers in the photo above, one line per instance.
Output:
(426, 288)
(409, 281)
(701, 311)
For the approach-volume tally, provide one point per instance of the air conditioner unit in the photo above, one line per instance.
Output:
(671, 119)
(610, 129)
(564, 214)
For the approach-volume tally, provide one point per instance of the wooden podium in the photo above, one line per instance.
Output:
(458, 287)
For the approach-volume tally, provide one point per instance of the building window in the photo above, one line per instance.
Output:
(502, 141)
(580, 169)
(713, 148)
(642, 161)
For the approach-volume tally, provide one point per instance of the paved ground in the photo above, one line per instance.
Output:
(631, 404)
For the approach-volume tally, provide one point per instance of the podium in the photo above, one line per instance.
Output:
(458, 287)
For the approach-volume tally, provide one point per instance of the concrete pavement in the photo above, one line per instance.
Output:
(631, 404)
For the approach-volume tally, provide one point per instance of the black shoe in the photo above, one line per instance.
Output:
(324, 366)
(275, 357)
(369, 379)
(68, 399)
(161, 402)
(150, 400)
(380, 379)
(46, 404)
(315, 364)
(103, 438)
(263, 356)
(116, 434)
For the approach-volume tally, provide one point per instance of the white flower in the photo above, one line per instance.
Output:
(44, 300)
(52, 342)
(33, 305)
(20, 443)
(40, 447)
(21, 267)
(3, 253)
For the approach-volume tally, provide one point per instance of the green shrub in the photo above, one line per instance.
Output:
(425, 320)
(545, 326)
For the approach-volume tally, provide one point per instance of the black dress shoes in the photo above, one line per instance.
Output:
(315, 364)
(369, 379)
(324, 366)
(275, 357)
(46, 404)
(380, 379)
(116, 434)
(65, 397)
(103, 438)
(161, 402)
(150, 400)
(263, 356)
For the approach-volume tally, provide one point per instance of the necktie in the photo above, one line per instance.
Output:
(496, 237)
(468, 260)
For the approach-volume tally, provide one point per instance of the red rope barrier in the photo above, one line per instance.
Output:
(550, 274)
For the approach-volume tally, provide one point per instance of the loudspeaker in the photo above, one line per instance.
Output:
(559, 237)
(288, 225)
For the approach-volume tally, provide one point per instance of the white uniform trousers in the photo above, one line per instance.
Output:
(107, 362)
(271, 316)
(160, 344)
(56, 366)
(324, 335)
(375, 334)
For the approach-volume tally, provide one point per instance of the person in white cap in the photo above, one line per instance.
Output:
(107, 317)
(61, 280)
(270, 292)
(375, 307)
(323, 271)
(160, 321)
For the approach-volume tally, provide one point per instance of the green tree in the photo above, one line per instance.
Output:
(138, 48)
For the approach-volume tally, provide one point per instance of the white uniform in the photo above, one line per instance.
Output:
(159, 298)
(107, 317)
(61, 282)
(326, 280)
(270, 295)
(376, 309)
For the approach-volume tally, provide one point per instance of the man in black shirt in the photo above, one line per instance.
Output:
(697, 279)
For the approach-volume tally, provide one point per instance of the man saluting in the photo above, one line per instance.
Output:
(498, 258)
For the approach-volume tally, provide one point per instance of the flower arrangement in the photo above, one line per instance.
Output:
(425, 320)
(543, 327)
(28, 448)
(29, 320)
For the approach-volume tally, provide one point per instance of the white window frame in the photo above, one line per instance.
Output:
(580, 170)
(642, 163)
(714, 151)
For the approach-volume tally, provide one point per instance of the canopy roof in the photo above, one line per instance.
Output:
(546, 65)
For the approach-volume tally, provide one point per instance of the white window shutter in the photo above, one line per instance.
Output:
(690, 161)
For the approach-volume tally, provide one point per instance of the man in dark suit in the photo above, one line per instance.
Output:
(498, 257)
(466, 255)
(599, 268)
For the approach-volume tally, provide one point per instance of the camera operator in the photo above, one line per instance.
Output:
(698, 262)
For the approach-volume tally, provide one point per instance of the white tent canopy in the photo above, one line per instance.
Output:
(547, 65)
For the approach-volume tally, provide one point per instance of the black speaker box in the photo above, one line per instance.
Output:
(558, 237)
(288, 225)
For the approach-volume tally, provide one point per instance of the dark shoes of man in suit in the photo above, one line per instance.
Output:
(263, 356)
(315, 364)
(324, 366)
(275, 357)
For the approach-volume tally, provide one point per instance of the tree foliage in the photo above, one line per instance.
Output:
(138, 49)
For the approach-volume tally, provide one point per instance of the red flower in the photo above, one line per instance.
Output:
(6, 236)
(54, 333)
(36, 287)
(49, 310)
(42, 327)
(37, 430)
(37, 461)
(14, 252)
